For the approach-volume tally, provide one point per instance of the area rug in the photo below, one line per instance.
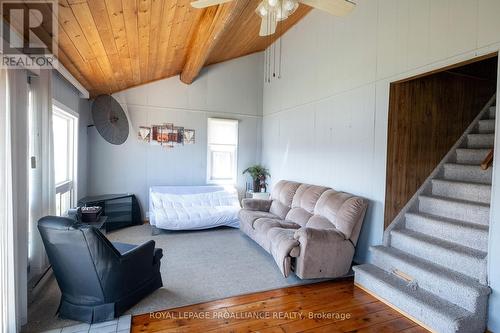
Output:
(198, 266)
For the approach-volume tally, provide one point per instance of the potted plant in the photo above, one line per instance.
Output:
(259, 175)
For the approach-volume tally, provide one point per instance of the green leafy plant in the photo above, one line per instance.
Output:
(258, 174)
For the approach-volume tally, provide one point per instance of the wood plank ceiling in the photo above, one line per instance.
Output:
(112, 45)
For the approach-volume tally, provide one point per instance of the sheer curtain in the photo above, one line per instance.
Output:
(42, 191)
(18, 105)
(14, 198)
(7, 273)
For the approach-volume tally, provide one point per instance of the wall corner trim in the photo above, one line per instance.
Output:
(84, 93)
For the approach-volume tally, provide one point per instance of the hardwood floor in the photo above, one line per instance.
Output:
(331, 307)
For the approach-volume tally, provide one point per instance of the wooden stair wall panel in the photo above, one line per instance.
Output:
(427, 116)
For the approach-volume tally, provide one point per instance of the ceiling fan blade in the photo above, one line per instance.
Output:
(267, 27)
(334, 7)
(207, 3)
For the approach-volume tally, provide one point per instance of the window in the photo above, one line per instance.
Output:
(222, 151)
(64, 126)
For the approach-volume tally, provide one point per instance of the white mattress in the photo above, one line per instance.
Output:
(193, 207)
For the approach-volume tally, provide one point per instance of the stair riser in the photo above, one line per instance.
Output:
(469, 266)
(471, 156)
(444, 288)
(469, 192)
(463, 212)
(480, 140)
(470, 237)
(467, 173)
(492, 112)
(417, 310)
(487, 126)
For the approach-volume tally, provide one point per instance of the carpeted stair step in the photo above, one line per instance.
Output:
(492, 112)
(461, 190)
(455, 209)
(438, 314)
(471, 156)
(465, 260)
(486, 126)
(464, 233)
(480, 140)
(467, 173)
(456, 288)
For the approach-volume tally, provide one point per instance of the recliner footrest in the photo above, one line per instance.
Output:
(283, 248)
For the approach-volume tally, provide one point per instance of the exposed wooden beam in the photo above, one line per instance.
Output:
(214, 22)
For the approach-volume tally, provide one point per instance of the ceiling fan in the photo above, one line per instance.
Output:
(273, 11)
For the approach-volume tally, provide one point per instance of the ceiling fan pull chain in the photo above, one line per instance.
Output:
(280, 56)
(280, 59)
(274, 59)
(265, 65)
(269, 53)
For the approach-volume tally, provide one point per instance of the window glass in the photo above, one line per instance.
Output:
(222, 150)
(64, 131)
(61, 148)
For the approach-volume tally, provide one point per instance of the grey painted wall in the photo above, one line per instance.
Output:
(231, 89)
(66, 94)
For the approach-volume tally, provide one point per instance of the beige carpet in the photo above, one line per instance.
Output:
(198, 266)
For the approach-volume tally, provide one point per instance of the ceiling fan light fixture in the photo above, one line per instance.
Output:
(262, 10)
(288, 5)
(278, 9)
(272, 3)
(280, 14)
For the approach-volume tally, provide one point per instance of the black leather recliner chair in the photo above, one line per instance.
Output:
(99, 280)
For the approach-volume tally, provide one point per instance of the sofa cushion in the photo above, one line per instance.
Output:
(320, 222)
(279, 209)
(256, 204)
(283, 246)
(289, 225)
(284, 191)
(306, 197)
(343, 210)
(299, 216)
(264, 224)
(303, 203)
(250, 216)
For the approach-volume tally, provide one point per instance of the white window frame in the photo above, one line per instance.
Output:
(71, 185)
(212, 147)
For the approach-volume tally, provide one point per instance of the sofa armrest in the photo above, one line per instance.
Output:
(304, 235)
(257, 204)
(141, 253)
(130, 270)
(323, 253)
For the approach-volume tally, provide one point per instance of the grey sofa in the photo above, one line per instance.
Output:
(312, 230)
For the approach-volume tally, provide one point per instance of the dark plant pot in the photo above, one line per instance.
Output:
(256, 185)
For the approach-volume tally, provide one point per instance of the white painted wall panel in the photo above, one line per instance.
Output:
(462, 26)
(438, 24)
(388, 31)
(418, 33)
(488, 22)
